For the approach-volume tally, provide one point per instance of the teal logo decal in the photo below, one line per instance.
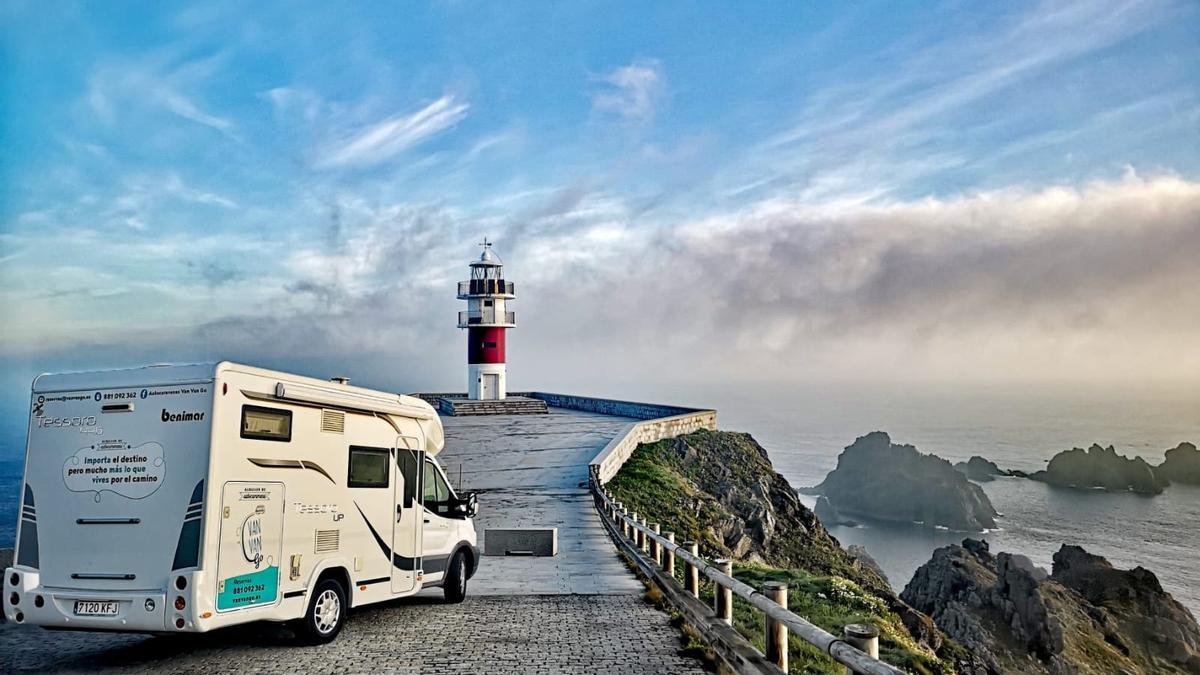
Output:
(248, 590)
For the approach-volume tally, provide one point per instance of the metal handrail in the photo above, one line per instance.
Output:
(486, 316)
(837, 648)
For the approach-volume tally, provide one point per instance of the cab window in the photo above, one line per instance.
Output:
(436, 489)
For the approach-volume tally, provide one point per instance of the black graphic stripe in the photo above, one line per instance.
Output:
(398, 561)
(293, 594)
(368, 582)
(267, 463)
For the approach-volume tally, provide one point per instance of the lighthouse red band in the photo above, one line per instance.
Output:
(487, 319)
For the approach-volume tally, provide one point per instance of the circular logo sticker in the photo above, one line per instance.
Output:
(252, 540)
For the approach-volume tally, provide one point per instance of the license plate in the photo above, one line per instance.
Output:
(97, 607)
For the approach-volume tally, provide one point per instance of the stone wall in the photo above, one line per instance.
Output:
(617, 452)
(608, 406)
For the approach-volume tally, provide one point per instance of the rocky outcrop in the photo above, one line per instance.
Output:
(1181, 465)
(719, 489)
(879, 480)
(1099, 467)
(980, 469)
(862, 556)
(1085, 617)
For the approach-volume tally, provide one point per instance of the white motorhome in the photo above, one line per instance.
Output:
(185, 498)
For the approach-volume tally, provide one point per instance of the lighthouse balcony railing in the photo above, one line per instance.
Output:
(489, 287)
(487, 317)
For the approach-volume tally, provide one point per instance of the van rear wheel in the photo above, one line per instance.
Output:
(326, 613)
(455, 584)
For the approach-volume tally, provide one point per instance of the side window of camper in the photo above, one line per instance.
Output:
(436, 489)
(369, 467)
(266, 424)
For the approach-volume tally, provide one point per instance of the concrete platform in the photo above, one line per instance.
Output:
(531, 471)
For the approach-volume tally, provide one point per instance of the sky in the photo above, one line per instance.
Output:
(681, 192)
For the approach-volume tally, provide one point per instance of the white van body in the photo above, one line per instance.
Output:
(185, 498)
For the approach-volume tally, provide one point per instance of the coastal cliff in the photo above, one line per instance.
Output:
(720, 490)
(880, 480)
(1086, 616)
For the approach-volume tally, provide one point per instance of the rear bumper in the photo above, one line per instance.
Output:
(138, 611)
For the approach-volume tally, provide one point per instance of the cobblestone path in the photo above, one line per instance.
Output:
(502, 634)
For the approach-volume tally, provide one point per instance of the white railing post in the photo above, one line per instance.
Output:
(722, 596)
(668, 561)
(691, 577)
(776, 632)
(865, 637)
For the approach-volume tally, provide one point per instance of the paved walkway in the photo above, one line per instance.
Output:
(578, 612)
(512, 634)
(531, 471)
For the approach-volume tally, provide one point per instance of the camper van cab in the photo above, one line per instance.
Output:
(184, 498)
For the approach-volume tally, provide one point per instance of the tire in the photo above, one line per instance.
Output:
(454, 586)
(326, 613)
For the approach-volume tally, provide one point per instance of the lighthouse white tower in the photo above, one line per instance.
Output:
(486, 321)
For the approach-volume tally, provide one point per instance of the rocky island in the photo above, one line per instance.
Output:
(1086, 616)
(1099, 467)
(880, 480)
(980, 469)
(1181, 465)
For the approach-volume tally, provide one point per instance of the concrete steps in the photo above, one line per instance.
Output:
(513, 405)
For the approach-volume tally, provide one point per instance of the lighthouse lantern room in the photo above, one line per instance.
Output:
(486, 321)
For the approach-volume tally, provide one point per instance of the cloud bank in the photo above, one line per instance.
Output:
(1081, 282)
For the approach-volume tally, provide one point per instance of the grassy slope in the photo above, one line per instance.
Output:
(826, 586)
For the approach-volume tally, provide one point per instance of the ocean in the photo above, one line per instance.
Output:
(804, 428)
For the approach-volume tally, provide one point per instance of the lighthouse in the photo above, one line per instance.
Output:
(486, 321)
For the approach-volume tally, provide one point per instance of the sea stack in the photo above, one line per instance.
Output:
(878, 480)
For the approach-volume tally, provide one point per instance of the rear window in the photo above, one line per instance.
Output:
(369, 467)
(266, 424)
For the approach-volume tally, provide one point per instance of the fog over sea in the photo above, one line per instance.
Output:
(804, 428)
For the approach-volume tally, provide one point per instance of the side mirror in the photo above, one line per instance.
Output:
(466, 506)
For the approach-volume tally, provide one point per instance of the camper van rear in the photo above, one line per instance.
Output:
(186, 498)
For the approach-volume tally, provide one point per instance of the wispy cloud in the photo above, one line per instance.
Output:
(384, 140)
(633, 92)
(116, 87)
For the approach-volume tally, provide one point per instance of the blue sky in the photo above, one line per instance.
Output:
(1001, 189)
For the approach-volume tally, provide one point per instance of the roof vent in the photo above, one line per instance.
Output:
(340, 380)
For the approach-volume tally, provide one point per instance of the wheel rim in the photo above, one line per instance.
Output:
(326, 611)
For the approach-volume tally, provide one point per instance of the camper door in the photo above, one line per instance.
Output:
(406, 533)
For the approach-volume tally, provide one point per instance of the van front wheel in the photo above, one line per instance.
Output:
(455, 584)
(326, 613)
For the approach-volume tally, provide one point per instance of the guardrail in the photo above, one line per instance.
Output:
(486, 317)
(857, 649)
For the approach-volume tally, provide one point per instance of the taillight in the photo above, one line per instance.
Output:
(180, 583)
(180, 603)
(179, 623)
